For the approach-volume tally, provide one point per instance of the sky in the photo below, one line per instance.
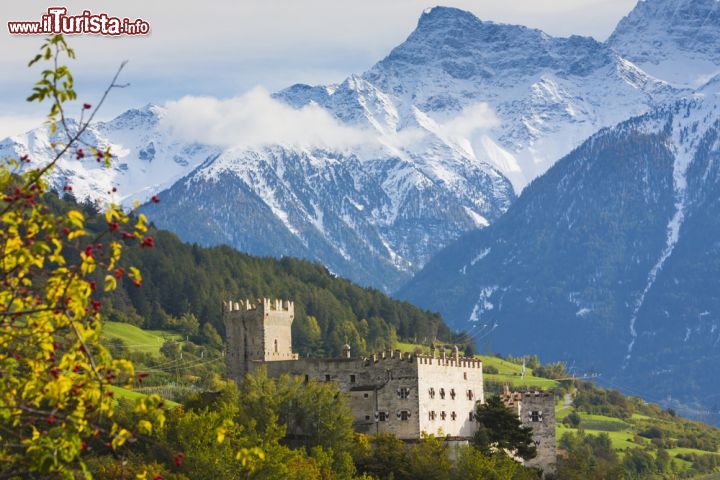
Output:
(225, 48)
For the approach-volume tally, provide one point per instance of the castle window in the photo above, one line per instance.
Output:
(367, 417)
(472, 417)
(432, 415)
(403, 392)
(442, 415)
(465, 375)
(404, 415)
(431, 392)
(453, 416)
(452, 393)
(365, 395)
(327, 378)
(535, 416)
(470, 394)
(276, 346)
(382, 416)
(352, 378)
(442, 393)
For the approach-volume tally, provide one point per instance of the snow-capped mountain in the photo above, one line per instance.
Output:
(618, 251)
(549, 94)
(459, 118)
(146, 159)
(675, 40)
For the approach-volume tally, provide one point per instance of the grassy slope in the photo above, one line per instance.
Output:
(623, 434)
(130, 395)
(137, 339)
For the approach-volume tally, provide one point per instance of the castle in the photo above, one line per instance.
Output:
(391, 392)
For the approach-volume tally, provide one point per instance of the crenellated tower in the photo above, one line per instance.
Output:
(257, 332)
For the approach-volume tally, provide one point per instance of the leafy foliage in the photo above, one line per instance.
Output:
(55, 376)
(500, 430)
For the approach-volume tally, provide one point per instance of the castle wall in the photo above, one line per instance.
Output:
(382, 392)
(460, 382)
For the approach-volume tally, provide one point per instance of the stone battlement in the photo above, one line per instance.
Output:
(509, 398)
(398, 356)
(264, 304)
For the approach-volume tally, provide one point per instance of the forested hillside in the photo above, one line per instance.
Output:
(180, 279)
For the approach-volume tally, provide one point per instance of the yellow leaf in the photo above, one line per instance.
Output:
(110, 283)
(120, 439)
(76, 234)
(76, 218)
(221, 434)
(145, 427)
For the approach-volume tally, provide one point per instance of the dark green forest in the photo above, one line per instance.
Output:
(180, 278)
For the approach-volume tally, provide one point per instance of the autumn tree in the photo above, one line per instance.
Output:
(56, 379)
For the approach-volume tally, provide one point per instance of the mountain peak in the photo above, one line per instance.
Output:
(674, 40)
(465, 47)
(442, 15)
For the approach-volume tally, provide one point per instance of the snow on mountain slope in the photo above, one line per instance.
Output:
(548, 94)
(674, 40)
(145, 161)
(457, 119)
(618, 251)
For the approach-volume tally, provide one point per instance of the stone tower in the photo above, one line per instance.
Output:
(257, 332)
(536, 410)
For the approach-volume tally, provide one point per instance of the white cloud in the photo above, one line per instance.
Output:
(473, 119)
(255, 118)
(18, 124)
